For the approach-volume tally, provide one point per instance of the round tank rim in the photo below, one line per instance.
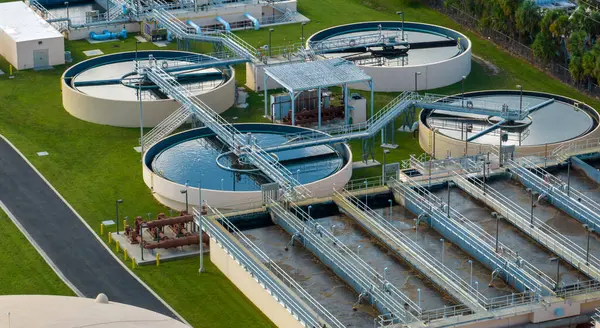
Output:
(594, 114)
(224, 192)
(68, 85)
(462, 35)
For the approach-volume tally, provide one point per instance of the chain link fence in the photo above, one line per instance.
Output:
(513, 46)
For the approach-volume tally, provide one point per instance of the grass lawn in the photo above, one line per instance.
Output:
(22, 269)
(93, 165)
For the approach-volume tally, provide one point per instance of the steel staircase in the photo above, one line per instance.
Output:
(168, 125)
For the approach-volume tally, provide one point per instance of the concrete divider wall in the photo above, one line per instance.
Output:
(251, 288)
(590, 171)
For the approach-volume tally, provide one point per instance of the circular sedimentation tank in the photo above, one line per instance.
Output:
(201, 160)
(562, 120)
(438, 55)
(105, 89)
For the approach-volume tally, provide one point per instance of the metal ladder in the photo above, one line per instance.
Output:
(168, 125)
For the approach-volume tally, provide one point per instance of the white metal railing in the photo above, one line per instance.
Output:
(240, 144)
(583, 207)
(473, 235)
(421, 259)
(538, 230)
(369, 281)
(277, 270)
(260, 274)
(168, 125)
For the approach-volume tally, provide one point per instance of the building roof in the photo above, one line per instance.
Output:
(314, 74)
(21, 23)
(45, 311)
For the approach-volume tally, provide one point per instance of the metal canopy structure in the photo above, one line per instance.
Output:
(298, 77)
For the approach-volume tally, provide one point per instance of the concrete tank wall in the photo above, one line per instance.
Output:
(124, 113)
(394, 79)
(445, 145)
(169, 193)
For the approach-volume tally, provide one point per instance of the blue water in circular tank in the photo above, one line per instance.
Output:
(194, 160)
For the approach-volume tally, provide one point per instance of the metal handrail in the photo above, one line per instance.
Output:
(259, 273)
(540, 231)
(583, 206)
(278, 271)
(370, 280)
(471, 233)
(425, 259)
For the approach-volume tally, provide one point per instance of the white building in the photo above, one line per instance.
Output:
(27, 40)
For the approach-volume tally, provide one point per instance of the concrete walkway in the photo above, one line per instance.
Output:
(66, 240)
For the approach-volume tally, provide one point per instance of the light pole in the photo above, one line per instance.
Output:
(569, 177)
(557, 259)
(119, 201)
(366, 194)
(385, 152)
(385, 272)
(463, 78)
(497, 229)
(184, 191)
(587, 249)
(416, 230)
(221, 183)
(136, 51)
(416, 85)
(529, 190)
(358, 250)
(477, 285)
(471, 276)
(448, 210)
(391, 202)
(520, 87)
(309, 207)
(298, 175)
(270, 31)
(201, 269)
(68, 20)
(419, 296)
(303, 24)
(401, 13)
(442, 240)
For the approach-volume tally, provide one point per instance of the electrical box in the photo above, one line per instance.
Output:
(358, 108)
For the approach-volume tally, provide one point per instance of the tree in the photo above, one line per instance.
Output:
(544, 47)
(576, 68)
(576, 43)
(589, 65)
(527, 18)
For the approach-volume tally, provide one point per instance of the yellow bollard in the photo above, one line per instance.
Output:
(109, 238)
(125, 253)
(157, 259)
(101, 229)
(10, 70)
(124, 224)
(117, 247)
(132, 263)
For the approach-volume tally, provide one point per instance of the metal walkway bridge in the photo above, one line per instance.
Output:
(243, 146)
(471, 238)
(530, 225)
(370, 284)
(263, 269)
(559, 193)
(410, 251)
(391, 111)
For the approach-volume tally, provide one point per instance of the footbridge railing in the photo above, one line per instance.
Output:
(370, 284)
(242, 145)
(532, 226)
(471, 238)
(558, 192)
(305, 310)
(408, 249)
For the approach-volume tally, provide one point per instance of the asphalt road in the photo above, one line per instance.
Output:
(67, 241)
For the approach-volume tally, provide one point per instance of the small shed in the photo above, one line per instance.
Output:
(27, 40)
